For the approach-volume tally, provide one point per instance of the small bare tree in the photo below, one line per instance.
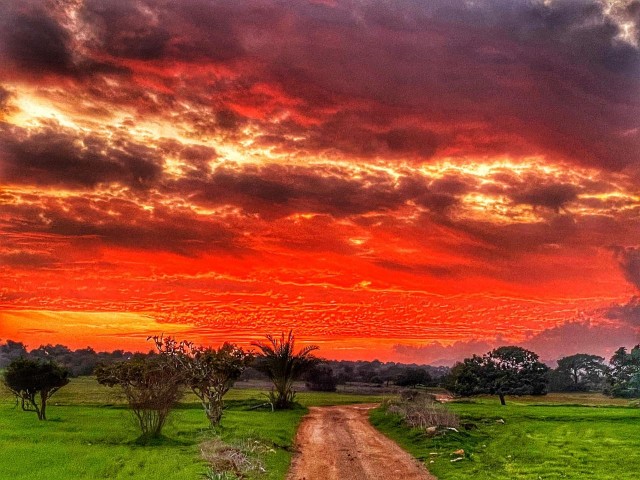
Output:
(209, 372)
(151, 385)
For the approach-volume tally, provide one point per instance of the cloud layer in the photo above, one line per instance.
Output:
(369, 154)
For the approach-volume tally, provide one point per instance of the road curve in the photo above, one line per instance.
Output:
(339, 443)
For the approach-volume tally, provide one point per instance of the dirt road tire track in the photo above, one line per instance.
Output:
(339, 443)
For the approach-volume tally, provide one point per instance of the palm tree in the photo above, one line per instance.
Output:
(278, 360)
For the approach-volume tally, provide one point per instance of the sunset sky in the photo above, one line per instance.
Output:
(409, 180)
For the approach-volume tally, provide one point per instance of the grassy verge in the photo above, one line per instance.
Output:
(556, 437)
(91, 435)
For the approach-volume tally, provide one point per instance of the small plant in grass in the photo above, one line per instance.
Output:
(28, 378)
(211, 474)
(238, 460)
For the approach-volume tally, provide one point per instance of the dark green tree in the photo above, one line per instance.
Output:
(320, 378)
(279, 361)
(412, 377)
(579, 373)
(624, 376)
(152, 386)
(29, 379)
(504, 371)
(11, 350)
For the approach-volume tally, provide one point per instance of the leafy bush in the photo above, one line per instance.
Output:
(320, 378)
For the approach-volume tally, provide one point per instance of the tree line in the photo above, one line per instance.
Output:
(153, 383)
(513, 370)
(82, 361)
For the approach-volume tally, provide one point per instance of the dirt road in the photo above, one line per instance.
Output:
(338, 443)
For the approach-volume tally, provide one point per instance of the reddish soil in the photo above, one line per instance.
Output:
(339, 443)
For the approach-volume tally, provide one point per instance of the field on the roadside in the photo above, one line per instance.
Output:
(559, 436)
(91, 435)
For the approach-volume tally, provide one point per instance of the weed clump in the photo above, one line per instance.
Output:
(422, 411)
(234, 461)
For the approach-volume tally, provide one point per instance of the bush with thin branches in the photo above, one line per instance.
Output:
(208, 371)
(151, 385)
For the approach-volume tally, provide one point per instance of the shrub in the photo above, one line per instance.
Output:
(151, 385)
(422, 411)
(320, 378)
(209, 372)
(231, 461)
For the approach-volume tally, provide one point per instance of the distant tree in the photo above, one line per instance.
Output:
(503, 371)
(579, 372)
(209, 372)
(48, 351)
(283, 366)
(412, 377)
(152, 386)
(29, 378)
(624, 376)
(11, 350)
(320, 378)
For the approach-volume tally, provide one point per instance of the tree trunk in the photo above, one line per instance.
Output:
(214, 413)
(42, 415)
(502, 402)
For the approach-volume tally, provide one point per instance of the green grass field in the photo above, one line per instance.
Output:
(90, 435)
(552, 437)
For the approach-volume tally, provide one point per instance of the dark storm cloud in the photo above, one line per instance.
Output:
(367, 79)
(554, 196)
(151, 30)
(627, 313)
(278, 190)
(281, 190)
(504, 76)
(54, 156)
(121, 223)
(352, 136)
(33, 40)
(629, 261)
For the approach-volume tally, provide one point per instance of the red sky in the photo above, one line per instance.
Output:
(412, 181)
